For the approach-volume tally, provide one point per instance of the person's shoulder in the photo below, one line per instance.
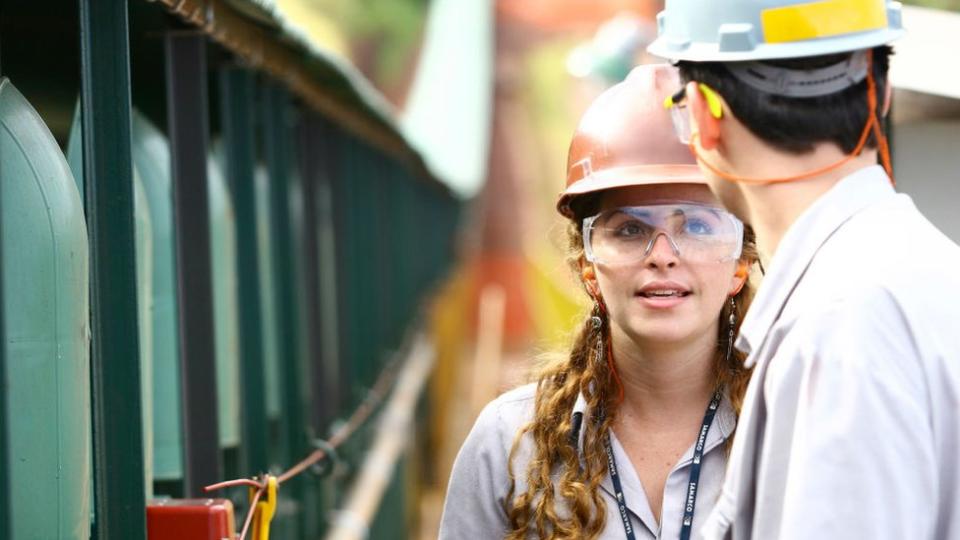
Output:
(500, 420)
(897, 238)
(510, 409)
(888, 256)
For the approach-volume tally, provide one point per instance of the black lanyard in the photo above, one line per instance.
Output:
(691, 500)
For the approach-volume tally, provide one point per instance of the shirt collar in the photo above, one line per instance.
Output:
(726, 420)
(637, 502)
(799, 245)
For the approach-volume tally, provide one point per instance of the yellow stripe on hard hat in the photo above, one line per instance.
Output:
(822, 19)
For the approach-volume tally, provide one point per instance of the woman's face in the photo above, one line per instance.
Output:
(664, 298)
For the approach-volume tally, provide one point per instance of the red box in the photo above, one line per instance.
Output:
(190, 519)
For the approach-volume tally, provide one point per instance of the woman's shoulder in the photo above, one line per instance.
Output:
(519, 397)
(509, 411)
(504, 416)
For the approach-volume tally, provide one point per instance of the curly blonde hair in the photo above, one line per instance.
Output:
(562, 499)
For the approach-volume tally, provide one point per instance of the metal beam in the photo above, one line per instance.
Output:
(326, 145)
(277, 144)
(187, 114)
(311, 277)
(277, 139)
(312, 366)
(236, 102)
(115, 352)
(6, 531)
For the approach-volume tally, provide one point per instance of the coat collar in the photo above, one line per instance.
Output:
(799, 245)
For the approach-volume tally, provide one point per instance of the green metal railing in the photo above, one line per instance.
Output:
(236, 106)
(108, 169)
(353, 259)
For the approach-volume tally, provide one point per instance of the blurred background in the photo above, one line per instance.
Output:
(533, 71)
(419, 152)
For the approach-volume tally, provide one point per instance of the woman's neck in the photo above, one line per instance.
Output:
(666, 383)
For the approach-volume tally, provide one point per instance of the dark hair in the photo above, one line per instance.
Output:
(793, 124)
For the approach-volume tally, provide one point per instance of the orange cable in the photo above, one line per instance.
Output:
(360, 415)
(872, 125)
(251, 511)
(231, 483)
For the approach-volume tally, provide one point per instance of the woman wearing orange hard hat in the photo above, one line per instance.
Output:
(612, 440)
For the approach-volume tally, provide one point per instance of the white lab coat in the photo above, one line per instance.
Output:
(851, 423)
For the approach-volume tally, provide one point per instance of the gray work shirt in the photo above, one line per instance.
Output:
(474, 507)
(851, 422)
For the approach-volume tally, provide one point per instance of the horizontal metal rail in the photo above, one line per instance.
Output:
(391, 437)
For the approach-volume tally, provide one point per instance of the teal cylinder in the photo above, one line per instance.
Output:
(47, 332)
(271, 360)
(143, 228)
(223, 255)
(151, 160)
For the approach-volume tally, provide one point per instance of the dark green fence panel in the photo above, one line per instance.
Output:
(108, 169)
(236, 102)
(345, 210)
(5, 529)
(305, 248)
(187, 114)
(277, 145)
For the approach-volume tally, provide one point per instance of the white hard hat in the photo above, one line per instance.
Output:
(744, 30)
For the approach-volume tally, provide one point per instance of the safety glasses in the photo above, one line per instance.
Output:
(677, 105)
(695, 232)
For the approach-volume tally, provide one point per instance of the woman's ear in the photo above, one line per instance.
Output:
(740, 277)
(702, 121)
(588, 275)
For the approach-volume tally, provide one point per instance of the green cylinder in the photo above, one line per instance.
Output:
(223, 254)
(271, 357)
(47, 333)
(143, 228)
(151, 159)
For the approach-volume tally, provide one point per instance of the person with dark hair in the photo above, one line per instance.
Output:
(625, 435)
(851, 422)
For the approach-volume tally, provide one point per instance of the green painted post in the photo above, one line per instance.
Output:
(345, 211)
(236, 102)
(115, 369)
(5, 529)
(278, 142)
(323, 157)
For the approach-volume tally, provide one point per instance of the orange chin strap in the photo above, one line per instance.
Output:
(872, 125)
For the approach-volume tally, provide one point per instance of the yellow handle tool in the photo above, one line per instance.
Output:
(266, 508)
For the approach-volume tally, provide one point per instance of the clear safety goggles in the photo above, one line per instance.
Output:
(695, 233)
(677, 105)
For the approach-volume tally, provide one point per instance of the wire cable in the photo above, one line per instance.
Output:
(360, 415)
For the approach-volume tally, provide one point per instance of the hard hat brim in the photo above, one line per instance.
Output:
(714, 52)
(640, 175)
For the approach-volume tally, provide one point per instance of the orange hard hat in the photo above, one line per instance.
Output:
(626, 138)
